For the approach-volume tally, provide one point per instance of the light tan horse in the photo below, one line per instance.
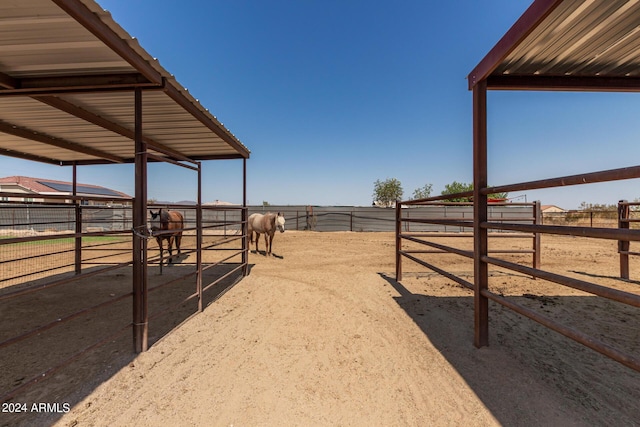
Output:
(266, 224)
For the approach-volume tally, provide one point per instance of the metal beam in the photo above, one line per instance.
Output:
(56, 142)
(31, 157)
(619, 174)
(7, 82)
(564, 83)
(94, 24)
(69, 84)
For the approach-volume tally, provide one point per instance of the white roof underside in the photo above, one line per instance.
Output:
(67, 78)
(587, 40)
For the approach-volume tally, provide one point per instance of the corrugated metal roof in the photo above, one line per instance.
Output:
(568, 44)
(67, 78)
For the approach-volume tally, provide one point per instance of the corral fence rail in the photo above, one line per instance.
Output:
(45, 245)
(437, 217)
(483, 224)
(378, 219)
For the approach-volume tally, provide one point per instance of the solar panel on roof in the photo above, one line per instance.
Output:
(68, 188)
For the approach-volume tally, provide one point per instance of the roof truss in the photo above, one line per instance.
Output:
(91, 76)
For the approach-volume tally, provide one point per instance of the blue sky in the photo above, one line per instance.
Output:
(332, 95)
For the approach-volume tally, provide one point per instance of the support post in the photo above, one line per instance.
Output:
(623, 245)
(78, 222)
(480, 215)
(245, 226)
(398, 242)
(199, 240)
(537, 215)
(140, 291)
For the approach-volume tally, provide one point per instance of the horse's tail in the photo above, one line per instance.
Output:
(250, 232)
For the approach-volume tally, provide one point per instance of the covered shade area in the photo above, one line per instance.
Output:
(77, 89)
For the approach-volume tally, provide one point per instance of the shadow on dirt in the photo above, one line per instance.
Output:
(27, 363)
(506, 375)
(264, 253)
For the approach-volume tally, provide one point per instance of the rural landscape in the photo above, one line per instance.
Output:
(491, 279)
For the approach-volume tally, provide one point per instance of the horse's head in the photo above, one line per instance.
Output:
(154, 223)
(280, 222)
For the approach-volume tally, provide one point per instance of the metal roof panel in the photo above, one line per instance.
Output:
(67, 73)
(569, 38)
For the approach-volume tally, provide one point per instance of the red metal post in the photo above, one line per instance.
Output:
(398, 242)
(140, 291)
(245, 227)
(623, 245)
(78, 221)
(537, 215)
(480, 215)
(199, 240)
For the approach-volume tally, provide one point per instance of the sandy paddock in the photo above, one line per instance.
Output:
(322, 334)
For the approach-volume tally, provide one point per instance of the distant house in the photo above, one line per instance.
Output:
(552, 209)
(30, 189)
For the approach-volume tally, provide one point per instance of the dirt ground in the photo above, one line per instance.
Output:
(321, 334)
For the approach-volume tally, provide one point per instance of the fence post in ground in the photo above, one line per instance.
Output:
(480, 216)
(623, 245)
(398, 242)
(78, 223)
(140, 264)
(199, 240)
(244, 219)
(537, 215)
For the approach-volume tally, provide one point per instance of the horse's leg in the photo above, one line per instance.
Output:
(271, 243)
(257, 241)
(267, 243)
(170, 244)
(178, 241)
(159, 240)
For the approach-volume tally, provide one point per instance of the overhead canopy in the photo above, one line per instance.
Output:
(67, 77)
(567, 45)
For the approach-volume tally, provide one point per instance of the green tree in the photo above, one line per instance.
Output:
(387, 192)
(423, 192)
(457, 187)
(460, 187)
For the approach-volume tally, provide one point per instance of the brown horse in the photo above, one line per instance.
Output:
(266, 224)
(161, 225)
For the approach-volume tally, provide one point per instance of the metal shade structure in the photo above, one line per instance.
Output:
(77, 89)
(556, 45)
(567, 45)
(67, 76)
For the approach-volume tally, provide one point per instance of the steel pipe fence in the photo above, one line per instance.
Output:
(358, 218)
(43, 249)
(459, 217)
(628, 218)
(485, 227)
